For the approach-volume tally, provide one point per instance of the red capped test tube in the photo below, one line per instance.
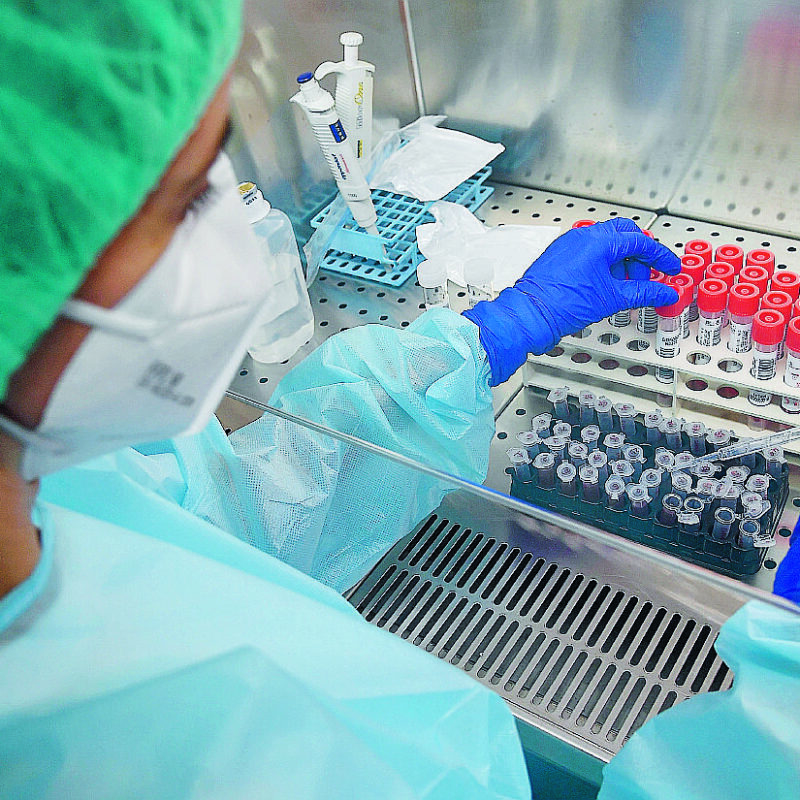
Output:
(647, 321)
(668, 335)
(789, 282)
(693, 266)
(712, 297)
(758, 276)
(685, 281)
(726, 273)
(791, 375)
(761, 258)
(768, 332)
(582, 223)
(699, 247)
(743, 301)
(730, 254)
(782, 303)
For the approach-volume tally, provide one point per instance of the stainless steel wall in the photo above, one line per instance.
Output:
(687, 106)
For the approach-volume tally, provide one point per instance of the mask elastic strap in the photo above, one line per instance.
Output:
(110, 319)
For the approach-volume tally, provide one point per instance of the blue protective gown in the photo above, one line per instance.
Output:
(155, 653)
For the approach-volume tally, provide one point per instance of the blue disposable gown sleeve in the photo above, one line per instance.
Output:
(740, 744)
(329, 508)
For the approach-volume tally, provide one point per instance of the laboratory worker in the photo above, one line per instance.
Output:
(171, 616)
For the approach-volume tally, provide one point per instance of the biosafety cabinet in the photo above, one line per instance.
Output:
(685, 117)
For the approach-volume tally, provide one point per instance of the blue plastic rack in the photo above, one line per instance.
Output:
(398, 217)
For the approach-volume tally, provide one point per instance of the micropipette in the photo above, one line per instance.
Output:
(744, 448)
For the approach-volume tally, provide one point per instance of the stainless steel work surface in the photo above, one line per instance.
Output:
(583, 642)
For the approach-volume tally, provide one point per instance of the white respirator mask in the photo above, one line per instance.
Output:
(158, 363)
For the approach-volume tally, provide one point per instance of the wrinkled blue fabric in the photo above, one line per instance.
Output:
(787, 576)
(583, 276)
(740, 744)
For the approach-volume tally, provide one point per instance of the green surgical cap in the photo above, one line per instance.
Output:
(96, 99)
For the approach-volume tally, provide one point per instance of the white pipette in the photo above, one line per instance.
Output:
(744, 448)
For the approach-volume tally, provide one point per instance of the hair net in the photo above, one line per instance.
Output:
(96, 100)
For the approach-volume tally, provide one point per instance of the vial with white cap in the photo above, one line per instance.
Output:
(478, 276)
(432, 277)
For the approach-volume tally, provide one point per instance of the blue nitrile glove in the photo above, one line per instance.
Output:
(787, 578)
(583, 276)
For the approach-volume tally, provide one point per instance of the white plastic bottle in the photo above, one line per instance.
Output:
(353, 95)
(432, 278)
(287, 321)
(320, 110)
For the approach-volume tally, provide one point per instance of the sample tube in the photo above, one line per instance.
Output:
(545, 466)
(706, 488)
(789, 282)
(743, 301)
(730, 254)
(668, 334)
(478, 276)
(566, 475)
(694, 505)
(590, 483)
(705, 469)
(768, 330)
(577, 452)
(685, 281)
(758, 276)
(681, 484)
(746, 534)
(664, 459)
(726, 274)
(627, 418)
(557, 445)
(560, 400)
(521, 461)
(737, 474)
(635, 456)
(589, 436)
(723, 522)
(671, 428)
(652, 419)
(615, 493)
(621, 319)
(647, 321)
(531, 441)
(587, 399)
(639, 499)
(689, 522)
(775, 461)
(712, 297)
(599, 460)
(695, 268)
(696, 432)
(730, 498)
(758, 484)
(782, 303)
(613, 445)
(762, 258)
(717, 439)
(541, 423)
(623, 469)
(562, 430)
(605, 419)
(651, 478)
(791, 374)
(699, 247)
(671, 504)
(432, 277)
(683, 460)
(752, 504)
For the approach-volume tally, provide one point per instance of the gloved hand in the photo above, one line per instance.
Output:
(787, 578)
(583, 276)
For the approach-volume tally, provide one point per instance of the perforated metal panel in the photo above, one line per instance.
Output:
(584, 657)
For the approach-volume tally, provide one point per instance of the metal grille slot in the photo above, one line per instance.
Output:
(566, 650)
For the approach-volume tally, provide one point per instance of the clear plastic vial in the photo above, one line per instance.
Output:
(726, 274)
(478, 275)
(587, 399)
(670, 427)
(768, 328)
(652, 419)
(696, 432)
(791, 373)
(742, 306)
(712, 296)
(432, 277)
(686, 282)
(590, 483)
(590, 436)
(668, 335)
(782, 303)
(627, 418)
(560, 399)
(605, 419)
(693, 266)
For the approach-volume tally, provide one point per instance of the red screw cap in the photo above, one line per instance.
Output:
(762, 258)
(648, 233)
(685, 282)
(755, 275)
(712, 295)
(788, 282)
(694, 266)
(730, 254)
(778, 301)
(793, 335)
(743, 300)
(583, 223)
(676, 309)
(724, 272)
(768, 327)
(699, 247)
(658, 277)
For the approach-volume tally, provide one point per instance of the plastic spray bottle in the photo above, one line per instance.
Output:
(320, 110)
(353, 95)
